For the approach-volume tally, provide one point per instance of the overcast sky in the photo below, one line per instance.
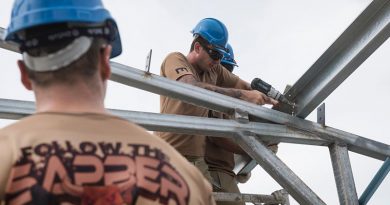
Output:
(272, 39)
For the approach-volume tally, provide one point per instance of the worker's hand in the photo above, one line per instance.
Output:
(243, 178)
(257, 97)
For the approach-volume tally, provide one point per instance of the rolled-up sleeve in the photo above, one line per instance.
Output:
(175, 66)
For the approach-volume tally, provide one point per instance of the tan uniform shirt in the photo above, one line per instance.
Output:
(217, 158)
(57, 158)
(175, 66)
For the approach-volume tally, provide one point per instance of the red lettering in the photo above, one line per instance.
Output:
(117, 176)
(72, 189)
(22, 198)
(21, 170)
(89, 177)
(114, 180)
(20, 184)
(57, 188)
(146, 172)
(54, 168)
(180, 189)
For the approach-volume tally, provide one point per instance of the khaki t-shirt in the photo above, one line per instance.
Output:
(175, 66)
(57, 158)
(217, 158)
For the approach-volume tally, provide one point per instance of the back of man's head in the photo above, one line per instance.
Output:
(64, 61)
(61, 40)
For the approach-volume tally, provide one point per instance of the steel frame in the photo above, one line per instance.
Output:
(370, 29)
(352, 48)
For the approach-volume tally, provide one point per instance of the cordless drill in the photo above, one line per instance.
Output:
(259, 85)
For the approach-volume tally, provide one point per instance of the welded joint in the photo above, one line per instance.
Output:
(282, 196)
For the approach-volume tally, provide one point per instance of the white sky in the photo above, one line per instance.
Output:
(272, 39)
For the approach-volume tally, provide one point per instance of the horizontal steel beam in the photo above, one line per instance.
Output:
(16, 109)
(370, 30)
(215, 101)
(253, 198)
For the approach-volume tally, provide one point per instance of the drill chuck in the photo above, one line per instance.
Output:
(260, 85)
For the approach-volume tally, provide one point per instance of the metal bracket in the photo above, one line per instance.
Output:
(148, 60)
(321, 114)
(288, 108)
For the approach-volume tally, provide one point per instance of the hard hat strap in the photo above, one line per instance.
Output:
(59, 59)
(46, 38)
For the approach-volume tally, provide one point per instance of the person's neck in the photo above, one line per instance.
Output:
(70, 99)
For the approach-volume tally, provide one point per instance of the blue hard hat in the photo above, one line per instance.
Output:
(213, 31)
(228, 58)
(32, 13)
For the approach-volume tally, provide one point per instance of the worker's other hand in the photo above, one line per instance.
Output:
(243, 178)
(257, 97)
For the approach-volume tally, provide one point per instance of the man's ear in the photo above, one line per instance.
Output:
(197, 47)
(105, 69)
(24, 76)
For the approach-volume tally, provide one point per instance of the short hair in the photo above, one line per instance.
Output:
(200, 40)
(84, 67)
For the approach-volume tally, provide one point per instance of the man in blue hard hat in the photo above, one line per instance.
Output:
(219, 153)
(201, 67)
(72, 151)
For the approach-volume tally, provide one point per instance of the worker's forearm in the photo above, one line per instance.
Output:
(252, 96)
(241, 84)
(232, 92)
